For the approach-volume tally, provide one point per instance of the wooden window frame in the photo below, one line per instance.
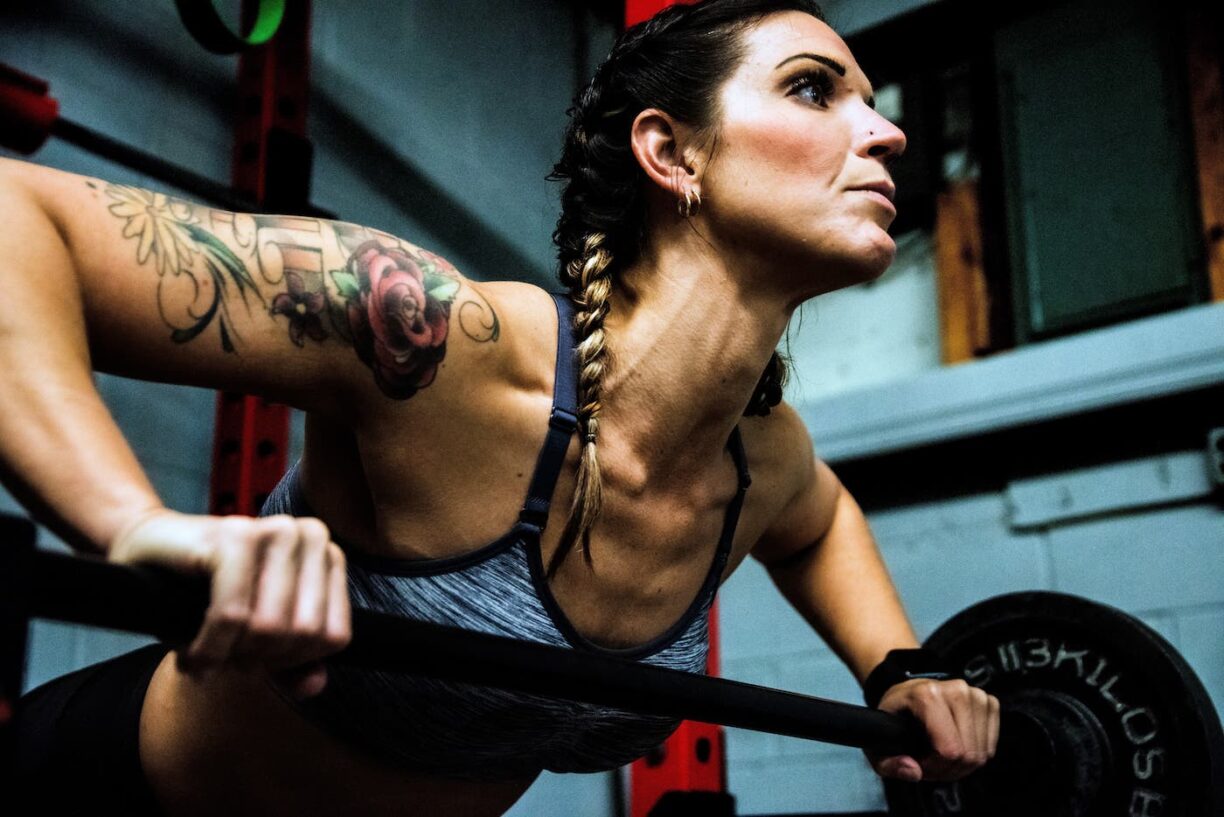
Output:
(968, 218)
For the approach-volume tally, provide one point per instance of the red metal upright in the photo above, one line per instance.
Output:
(271, 166)
(692, 759)
(638, 10)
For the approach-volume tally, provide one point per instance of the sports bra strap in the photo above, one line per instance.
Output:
(562, 421)
(736, 444)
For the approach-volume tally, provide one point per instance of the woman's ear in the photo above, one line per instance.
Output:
(659, 145)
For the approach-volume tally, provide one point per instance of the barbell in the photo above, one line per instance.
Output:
(1100, 714)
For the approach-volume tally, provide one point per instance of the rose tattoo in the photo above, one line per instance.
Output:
(398, 312)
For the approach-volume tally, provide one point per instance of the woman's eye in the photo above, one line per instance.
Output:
(815, 86)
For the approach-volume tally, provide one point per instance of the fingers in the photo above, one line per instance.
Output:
(339, 630)
(279, 593)
(992, 731)
(334, 617)
(234, 570)
(962, 722)
(970, 709)
(949, 744)
(284, 616)
(310, 613)
(303, 682)
(901, 767)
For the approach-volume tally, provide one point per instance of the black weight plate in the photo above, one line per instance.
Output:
(1102, 717)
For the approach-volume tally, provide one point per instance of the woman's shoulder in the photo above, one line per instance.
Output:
(778, 444)
(802, 489)
(497, 338)
(527, 321)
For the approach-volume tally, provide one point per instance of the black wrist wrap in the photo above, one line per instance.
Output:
(899, 666)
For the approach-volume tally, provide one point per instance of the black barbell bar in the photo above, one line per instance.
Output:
(170, 606)
(29, 115)
(1091, 698)
(199, 186)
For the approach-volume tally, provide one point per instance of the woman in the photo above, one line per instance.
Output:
(715, 175)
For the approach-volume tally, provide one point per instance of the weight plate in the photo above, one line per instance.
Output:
(1101, 716)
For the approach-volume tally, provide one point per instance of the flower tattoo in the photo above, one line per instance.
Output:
(393, 302)
(168, 231)
(159, 224)
(302, 308)
(398, 312)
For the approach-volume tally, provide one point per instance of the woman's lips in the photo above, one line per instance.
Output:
(879, 198)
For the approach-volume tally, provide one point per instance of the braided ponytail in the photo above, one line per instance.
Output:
(675, 61)
(589, 276)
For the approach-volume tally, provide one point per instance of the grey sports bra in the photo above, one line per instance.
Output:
(464, 731)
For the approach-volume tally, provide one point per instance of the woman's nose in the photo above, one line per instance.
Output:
(884, 140)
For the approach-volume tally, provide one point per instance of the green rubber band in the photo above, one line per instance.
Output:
(201, 20)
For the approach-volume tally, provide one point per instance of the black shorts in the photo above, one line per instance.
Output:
(78, 740)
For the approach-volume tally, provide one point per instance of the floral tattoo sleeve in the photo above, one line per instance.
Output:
(392, 302)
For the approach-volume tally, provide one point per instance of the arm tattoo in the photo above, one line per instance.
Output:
(391, 301)
(192, 264)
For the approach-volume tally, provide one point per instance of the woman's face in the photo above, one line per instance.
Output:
(795, 136)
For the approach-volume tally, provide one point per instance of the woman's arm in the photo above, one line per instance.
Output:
(821, 555)
(327, 316)
(61, 454)
(309, 312)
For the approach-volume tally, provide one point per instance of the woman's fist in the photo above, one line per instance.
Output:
(962, 722)
(279, 595)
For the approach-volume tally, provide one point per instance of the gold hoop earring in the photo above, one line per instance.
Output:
(690, 204)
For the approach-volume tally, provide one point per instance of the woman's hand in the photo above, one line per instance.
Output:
(961, 720)
(279, 591)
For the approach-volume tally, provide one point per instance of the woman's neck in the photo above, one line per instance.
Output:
(689, 337)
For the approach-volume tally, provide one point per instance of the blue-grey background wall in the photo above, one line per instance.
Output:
(426, 116)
